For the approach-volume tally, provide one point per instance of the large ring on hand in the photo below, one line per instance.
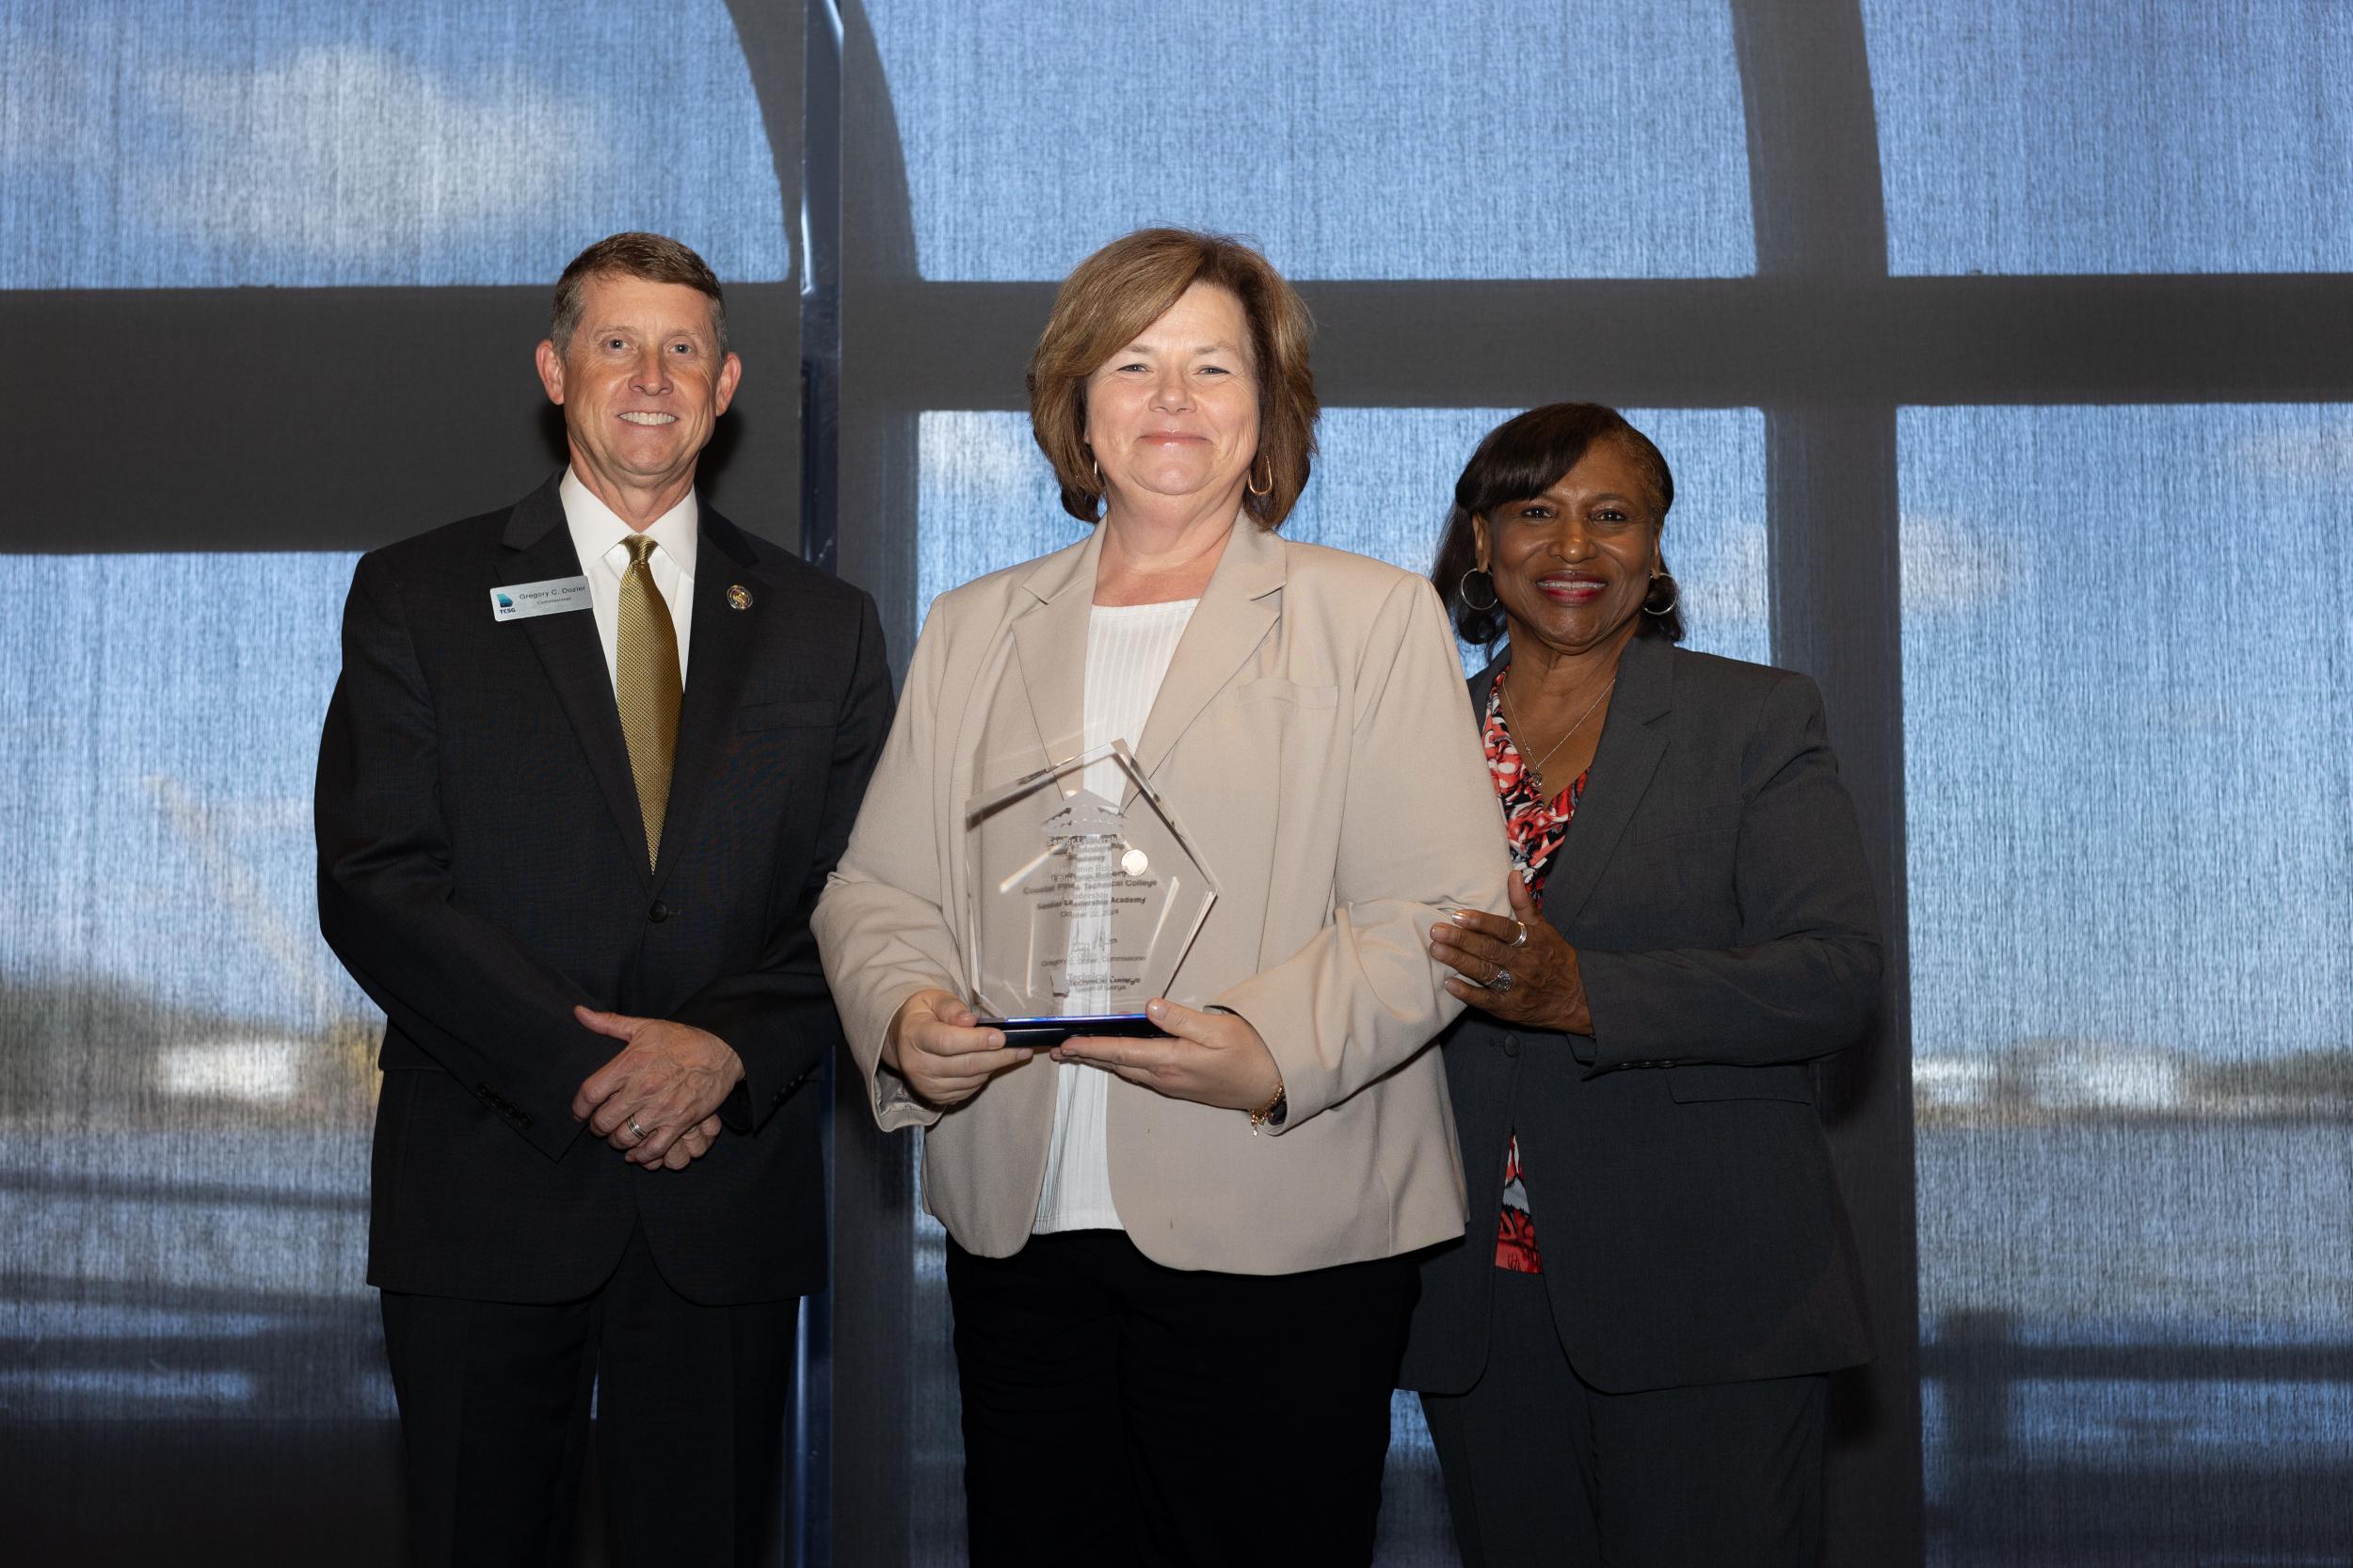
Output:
(1501, 983)
(1519, 938)
(635, 1132)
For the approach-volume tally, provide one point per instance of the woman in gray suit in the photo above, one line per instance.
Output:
(1180, 1266)
(1624, 1360)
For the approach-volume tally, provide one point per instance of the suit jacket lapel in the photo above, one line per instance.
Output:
(719, 654)
(1051, 645)
(573, 655)
(1237, 609)
(1051, 641)
(1483, 686)
(1633, 739)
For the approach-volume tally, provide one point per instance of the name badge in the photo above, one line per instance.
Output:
(552, 598)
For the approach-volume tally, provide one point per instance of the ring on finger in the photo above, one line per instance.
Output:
(1519, 938)
(635, 1132)
(1500, 982)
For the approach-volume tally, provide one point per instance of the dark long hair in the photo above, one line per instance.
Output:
(1519, 459)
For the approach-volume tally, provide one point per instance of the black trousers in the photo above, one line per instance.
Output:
(1119, 1411)
(692, 1405)
(1542, 1467)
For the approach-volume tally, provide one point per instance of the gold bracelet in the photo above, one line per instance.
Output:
(1269, 1111)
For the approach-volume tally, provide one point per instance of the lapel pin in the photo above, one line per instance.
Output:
(739, 597)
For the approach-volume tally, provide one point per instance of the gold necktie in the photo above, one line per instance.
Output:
(649, 689)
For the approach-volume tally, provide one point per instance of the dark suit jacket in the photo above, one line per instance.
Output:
(1713, 884)
(482, 868)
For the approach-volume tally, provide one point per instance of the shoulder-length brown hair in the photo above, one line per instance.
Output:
(1127, 285)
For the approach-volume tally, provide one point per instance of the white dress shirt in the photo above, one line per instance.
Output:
(597, 533)
(1129, 650)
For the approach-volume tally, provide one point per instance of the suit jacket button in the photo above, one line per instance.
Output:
(1510, 1045)
(659, 913)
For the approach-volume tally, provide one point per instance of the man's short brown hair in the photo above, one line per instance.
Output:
(655, 258)
(1125, 287)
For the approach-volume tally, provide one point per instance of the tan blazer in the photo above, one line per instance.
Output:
(1311, 736)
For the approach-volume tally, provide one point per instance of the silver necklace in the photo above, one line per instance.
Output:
(1536, 769)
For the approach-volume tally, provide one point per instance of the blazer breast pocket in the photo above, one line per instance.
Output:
(1700, 1082)
(801, 713)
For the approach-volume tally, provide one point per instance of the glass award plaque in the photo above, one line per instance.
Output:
(1085, 894)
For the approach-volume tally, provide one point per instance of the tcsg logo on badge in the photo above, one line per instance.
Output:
(521, 600)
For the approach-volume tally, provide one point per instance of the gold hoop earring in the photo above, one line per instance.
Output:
(1253, 474)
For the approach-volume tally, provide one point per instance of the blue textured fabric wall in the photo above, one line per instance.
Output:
(2119, 781)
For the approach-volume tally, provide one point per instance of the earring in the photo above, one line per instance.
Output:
(1099, 471)
(1674, 595)
(1462, 589)
(1269, 487)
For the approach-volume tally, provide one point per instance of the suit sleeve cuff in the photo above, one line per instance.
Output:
(1607, 983)
(893, 1103)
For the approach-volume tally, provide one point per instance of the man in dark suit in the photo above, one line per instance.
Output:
(588, 763)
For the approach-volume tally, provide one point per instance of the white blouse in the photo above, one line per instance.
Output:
(1129, 650)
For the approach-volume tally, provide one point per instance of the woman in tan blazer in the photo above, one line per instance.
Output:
(1179, 1266)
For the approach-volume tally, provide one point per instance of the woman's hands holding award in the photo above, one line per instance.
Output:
(1210, 1058)
(947, 1055)
(1083, 894)
(937, 1044)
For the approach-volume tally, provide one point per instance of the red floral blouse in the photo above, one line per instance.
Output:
(1534, 828)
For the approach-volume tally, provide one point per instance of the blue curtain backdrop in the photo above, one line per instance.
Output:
(1973, 333)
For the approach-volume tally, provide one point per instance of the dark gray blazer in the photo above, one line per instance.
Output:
(1713, 887)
